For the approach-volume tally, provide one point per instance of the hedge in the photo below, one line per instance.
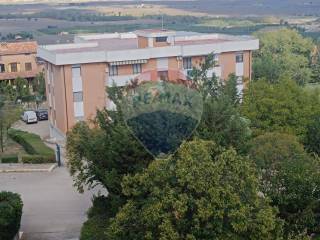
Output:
(10, 215)
(31, 143)
(9, 159)
(37, 159)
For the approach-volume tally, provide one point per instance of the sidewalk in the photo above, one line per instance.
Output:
(20, 167)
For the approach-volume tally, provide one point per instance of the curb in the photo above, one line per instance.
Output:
(21, 170)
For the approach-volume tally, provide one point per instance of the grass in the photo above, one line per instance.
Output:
(31, 143)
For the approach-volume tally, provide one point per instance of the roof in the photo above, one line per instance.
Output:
(12, 48)
(124, 46)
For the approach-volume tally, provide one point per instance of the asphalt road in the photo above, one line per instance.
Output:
(53, 209)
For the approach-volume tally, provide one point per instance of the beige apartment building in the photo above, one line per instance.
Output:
(77, 74)
(18, 59)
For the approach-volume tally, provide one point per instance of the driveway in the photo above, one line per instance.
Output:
(41, 128)
(53, 209)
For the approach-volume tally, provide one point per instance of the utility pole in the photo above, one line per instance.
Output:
(162, 22)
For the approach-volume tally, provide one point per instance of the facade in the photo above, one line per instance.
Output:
(77, 74)
(18, 59)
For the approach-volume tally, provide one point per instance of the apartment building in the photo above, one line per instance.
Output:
(18, 59)
(77, 74)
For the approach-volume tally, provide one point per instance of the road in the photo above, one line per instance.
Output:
(53, 210)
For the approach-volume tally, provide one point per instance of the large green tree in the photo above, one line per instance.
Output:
(283, 53)
(221, 120)
(283, 106)
(291, 179)
(104, 152)
(202, 192)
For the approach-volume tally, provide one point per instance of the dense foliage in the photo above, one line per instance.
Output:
(10, 215)
(202, 192)
(291, 179)
(283, 53)
(282, 106)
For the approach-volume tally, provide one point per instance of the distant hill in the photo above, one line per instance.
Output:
(227, 7)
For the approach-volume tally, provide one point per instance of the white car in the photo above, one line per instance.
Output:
(30, 117)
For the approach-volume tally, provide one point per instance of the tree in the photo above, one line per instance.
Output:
(9, 113)
(39, 85)
(221, 121)
(315, 65)
(284, 107)
(312, 138)
(202, 192)
(283, 53)
(291, 179)
(22, 87)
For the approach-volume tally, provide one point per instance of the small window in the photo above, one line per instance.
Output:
(239, 58)
(76, 71)
(113, 70)
(161, 39)
(14, 67)
(77, 97)
(2, 68)
(136, 68)
(163, 75)
(28, 66)
(187, 63)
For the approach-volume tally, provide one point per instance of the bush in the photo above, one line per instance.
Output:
(10, 215)
(9, 159)
(94, 228)
(38, 159)
(31, 143)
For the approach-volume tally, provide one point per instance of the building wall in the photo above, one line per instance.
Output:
(143, 42)
(94, 90)
(95, 76)
(21, 59)
(61, 102)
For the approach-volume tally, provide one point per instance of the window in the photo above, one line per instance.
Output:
(78, 97)
(187, 63)
(239, 58)
(28, 66)
(216, 60)
(161, 39)
(163, 75)
(14, 67)
(113, 70)
(76, 71)
(2, 68)
(136, 68)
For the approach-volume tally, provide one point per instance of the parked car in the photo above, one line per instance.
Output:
(30, 117)
(42, 114)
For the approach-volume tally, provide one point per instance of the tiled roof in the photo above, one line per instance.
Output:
(9, 48)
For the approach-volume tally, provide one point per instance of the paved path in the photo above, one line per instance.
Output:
(53, 210)
(41, 128)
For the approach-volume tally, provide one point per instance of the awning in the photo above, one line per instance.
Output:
(129, 62)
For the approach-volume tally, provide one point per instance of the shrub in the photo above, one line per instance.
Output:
(10, 215)
(31, 143)
(38, 159)
(9, 159)
(98, 215)
(94, 229)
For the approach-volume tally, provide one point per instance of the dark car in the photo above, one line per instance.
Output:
(42, 114)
